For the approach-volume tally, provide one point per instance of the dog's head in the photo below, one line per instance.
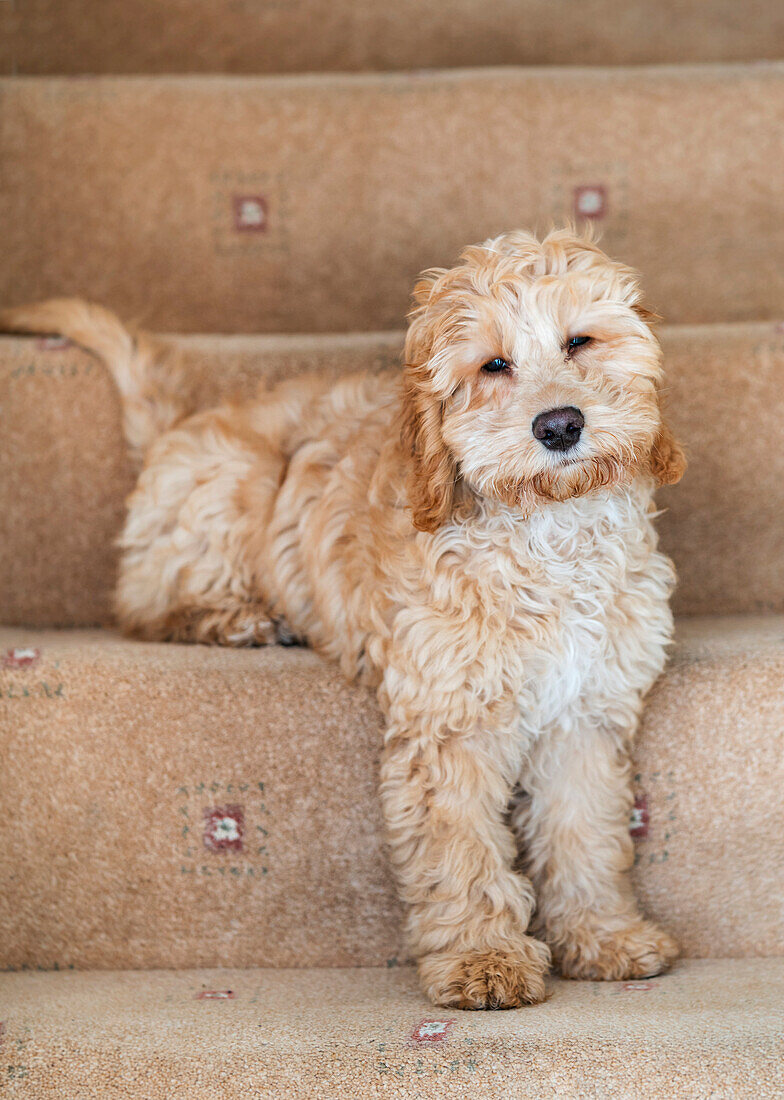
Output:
(531, 375)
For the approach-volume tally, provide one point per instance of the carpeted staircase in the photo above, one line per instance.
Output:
(194, 899)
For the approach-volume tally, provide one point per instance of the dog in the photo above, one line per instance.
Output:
(473, 537)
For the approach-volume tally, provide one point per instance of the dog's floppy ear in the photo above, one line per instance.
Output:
(667, 462)
(648, 315)
(431, 483)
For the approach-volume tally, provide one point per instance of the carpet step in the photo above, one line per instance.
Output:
(135, 36)
(119, 758)
(710, 1028)
(64, 473)
(310, 203)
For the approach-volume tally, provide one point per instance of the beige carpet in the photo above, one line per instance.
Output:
(308, 204)
(164, 808)
(118, 36)
(120, 758)
(710, 1028)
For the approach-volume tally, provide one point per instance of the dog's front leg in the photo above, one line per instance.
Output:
(575, 844)
(444, 794)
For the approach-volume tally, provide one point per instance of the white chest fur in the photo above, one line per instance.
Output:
(590, 622)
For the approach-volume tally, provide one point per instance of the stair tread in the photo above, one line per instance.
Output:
(223, 35)
(710, 1027)
(112, 747)
(697, 637)
(229, 231)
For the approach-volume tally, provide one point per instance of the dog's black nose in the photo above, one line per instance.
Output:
(558, 429)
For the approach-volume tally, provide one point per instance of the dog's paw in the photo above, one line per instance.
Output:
(487, 978)
(640, 951)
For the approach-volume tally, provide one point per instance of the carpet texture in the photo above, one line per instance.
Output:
(710, 1028)
(128, 36)
(189, 806)
(310, 203)
(64, 473)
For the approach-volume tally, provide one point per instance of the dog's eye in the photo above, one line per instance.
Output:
(493, 366)
(577, 342)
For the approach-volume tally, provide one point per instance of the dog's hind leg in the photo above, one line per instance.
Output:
(244, 623)
(192, 548)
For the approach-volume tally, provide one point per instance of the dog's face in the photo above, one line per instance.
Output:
(531, 375)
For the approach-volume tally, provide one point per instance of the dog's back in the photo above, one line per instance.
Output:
(218, 486)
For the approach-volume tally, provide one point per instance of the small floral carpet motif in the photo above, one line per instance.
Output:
(590, 201)
(223, 828)
(21, 657)
(250, 213)
(640, 820)
(431, 1031)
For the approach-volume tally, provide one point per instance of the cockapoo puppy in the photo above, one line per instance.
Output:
(474, 538)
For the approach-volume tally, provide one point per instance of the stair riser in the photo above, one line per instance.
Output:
(133, 36)
(119, 758)
(310, 204)
(64, 473)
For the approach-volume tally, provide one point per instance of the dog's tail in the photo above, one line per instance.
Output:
(147, 373)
